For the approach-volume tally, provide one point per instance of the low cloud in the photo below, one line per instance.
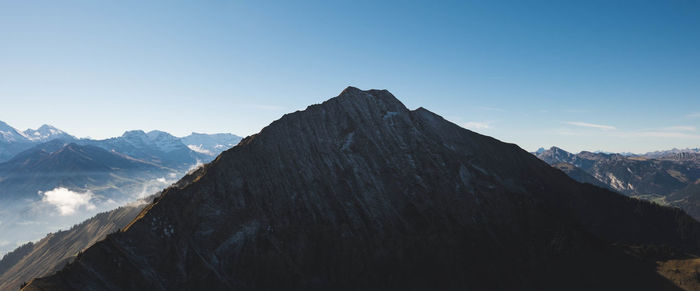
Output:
(67, 201)
(200, 149)
(195, 167)
(153, 186)
(590, 125)
(476, 125)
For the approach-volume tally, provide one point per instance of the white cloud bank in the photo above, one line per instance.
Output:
(590, 125)
(67, 201)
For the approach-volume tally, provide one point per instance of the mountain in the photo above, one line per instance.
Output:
(361, 193)
(11, 142)
(47, 169)
(8, 134)
(579, 175)
(156, 147)
(210, 144)
(59, 183)
(666, 177)
(62, 164)
(674, 154)
(46, 133)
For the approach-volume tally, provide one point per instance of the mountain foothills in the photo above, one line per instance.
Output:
(666, 177)
(361, 193)
(49, 179)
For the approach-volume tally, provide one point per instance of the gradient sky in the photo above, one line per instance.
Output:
(621, 76)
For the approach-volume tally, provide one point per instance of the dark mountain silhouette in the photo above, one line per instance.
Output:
(361, 193)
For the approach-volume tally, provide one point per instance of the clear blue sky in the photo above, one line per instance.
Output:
(589, 75)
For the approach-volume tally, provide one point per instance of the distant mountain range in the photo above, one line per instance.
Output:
(52, 158)
(137, 143)
(60, 163)
(361, 193)
(666, 177)
(87, 175)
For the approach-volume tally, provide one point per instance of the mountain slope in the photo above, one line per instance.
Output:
(361, 193)
(57, 249)
(579, 175)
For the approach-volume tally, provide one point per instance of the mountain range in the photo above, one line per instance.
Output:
(665, 177)
(50, 179)
(135, 142)
(360, 192)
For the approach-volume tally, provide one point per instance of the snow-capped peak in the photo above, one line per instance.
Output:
(45, 133)
(9, 134)
(160, 140)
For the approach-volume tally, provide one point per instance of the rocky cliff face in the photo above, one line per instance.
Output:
(361, 193)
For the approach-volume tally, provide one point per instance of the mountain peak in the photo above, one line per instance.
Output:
(555, 148)
(380, 95)
(46, 133)
(350, 90)
(10, 134)
(46, 127)
(4, 125)
(134, 133)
